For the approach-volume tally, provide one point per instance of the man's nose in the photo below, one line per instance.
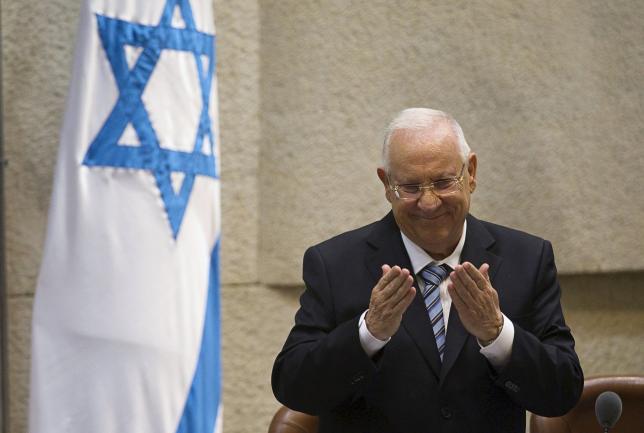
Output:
(428, 200)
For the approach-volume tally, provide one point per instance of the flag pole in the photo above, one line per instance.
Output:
(4, 393)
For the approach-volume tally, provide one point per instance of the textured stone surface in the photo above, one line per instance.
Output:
(19, 347)
(606, 315)
(547, 92)
(253, 334)
(238, 75)
(37, 39)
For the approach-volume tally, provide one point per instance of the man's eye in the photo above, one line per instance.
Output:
(443, 184)
(409, 189)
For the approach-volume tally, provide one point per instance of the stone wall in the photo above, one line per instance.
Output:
(548, 93)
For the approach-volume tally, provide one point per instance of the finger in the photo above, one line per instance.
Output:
(401, 291)
(385, 286)
(463, 278)
(485, 271)
(398, 283)
(389, 274)
(457, 301)
(477, 277)
(464, 287)
(405, 301)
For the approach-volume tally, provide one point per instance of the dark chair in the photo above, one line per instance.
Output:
(581, 419)
(286, 420)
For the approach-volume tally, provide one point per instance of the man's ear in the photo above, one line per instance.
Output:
(472, 163)
(382, 175)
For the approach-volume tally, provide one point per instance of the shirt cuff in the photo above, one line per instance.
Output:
(498, 351)
(370, 344)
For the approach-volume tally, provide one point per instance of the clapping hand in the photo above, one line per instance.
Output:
(391, 296)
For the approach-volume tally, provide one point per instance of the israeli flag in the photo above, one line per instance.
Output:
(126, 334)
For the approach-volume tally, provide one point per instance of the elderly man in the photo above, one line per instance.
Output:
(429, 320)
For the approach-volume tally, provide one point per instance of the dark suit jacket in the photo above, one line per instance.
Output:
(323, 370)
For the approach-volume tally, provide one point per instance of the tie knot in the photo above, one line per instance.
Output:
(435, 273)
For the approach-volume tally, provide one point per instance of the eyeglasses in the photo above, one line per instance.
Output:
(440, 188)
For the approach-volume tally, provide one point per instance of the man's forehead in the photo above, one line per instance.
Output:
(437, 139)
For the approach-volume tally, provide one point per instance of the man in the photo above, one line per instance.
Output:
(429, 320)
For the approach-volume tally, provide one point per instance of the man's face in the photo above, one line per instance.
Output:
(433, 223)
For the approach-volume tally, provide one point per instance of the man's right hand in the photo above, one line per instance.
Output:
(391, 296)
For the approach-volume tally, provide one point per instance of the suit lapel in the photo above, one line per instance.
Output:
(388, 248)
(476, 251)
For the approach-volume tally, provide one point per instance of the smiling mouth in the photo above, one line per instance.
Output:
(430, 217)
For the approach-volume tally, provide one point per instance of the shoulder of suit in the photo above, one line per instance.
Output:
(344, 241)
(502, 232)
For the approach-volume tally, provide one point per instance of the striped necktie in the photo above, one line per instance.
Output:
(432, 276)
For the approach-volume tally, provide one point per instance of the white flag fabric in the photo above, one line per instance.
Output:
(126, 333)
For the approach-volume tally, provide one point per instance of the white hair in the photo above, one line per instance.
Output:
(417, 119)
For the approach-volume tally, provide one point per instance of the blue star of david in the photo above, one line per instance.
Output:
(105, 150)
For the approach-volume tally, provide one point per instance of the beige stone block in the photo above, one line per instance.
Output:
(35, 77)
(255, 322)
(606, 315)
(18, 361)
(238, 71)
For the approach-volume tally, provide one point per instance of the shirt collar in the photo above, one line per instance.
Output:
(419, 257)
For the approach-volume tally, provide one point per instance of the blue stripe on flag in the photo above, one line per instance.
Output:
(200, 412)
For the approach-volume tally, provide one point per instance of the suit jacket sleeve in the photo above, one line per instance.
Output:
(322, 364)
(543, 375)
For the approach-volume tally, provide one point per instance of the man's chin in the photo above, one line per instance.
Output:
(431, 239)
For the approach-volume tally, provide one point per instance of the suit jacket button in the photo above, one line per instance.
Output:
(446, 412)
(357, 378)
(511, 386)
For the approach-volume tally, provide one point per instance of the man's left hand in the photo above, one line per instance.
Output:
(476, 301)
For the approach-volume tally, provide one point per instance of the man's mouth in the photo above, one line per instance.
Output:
(430, 217)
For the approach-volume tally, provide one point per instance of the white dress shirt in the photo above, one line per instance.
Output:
(498, 352)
